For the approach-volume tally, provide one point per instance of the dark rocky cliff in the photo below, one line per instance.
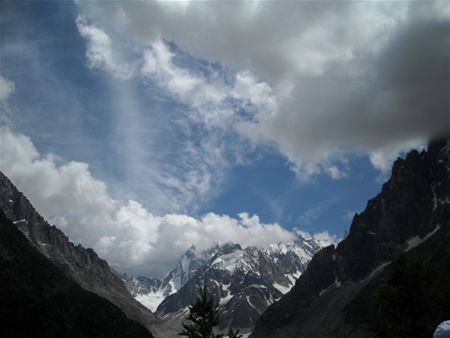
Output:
(79, 264)
(39, 300)
(333, 297)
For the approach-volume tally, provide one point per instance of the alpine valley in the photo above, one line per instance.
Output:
(305, 288)
(245, 281)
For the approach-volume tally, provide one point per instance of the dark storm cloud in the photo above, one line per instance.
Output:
(364, 77)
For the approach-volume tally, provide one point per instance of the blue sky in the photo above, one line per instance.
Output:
(169, 121)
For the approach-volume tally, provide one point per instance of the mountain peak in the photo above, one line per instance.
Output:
(412, 209)
(244, 281)
(78, 263)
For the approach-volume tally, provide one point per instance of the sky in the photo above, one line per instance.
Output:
(142, 128)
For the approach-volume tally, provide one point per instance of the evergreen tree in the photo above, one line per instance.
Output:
(234, 334)
(412, 299)
(203, 316)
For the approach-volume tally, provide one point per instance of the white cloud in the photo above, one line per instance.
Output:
(100, 52)
(206, 96)
(129, 236)
(6, 88)
(335, 172)
(192, 167)
(382, 159)
(349, 214)
(325, 79)
(185, 172)
(260, 94)
(315, 212)
(325, 239)
(155, 61)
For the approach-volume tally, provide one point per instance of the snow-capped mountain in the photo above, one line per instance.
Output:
(151, 291)
(243, 280)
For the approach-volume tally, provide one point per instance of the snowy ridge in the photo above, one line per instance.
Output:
(150, 292)
(244, 281)
(416, 240)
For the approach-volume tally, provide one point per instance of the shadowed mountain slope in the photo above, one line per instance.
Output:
(39, 300)
(78, 263)
(334, 296)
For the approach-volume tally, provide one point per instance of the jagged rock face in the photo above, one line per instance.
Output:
(39, 300)
(152, 291)
(141, 284)
(244, 281)
(406, 207)
(80, 264)
(412, 208)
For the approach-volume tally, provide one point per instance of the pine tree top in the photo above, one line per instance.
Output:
(203, 316)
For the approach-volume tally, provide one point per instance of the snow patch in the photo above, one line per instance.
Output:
(376, 271)
(151, 300)
(173, 288)
(250, 303)
(185, 262)
(416, 240)
(337, 283)
(230, 261)
(283, 289)
(258, 286)
(435, 199)
(323, 291)
(293, 277)
(225, 299)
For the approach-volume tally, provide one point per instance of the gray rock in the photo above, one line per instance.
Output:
(244, 281)
(81, 265)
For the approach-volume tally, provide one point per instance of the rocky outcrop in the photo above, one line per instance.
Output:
(141, 284)
(79, 264)
(39, 300)
(332, 298)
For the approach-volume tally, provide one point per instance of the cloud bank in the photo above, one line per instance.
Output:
(6, 88)
(315, 81)
(126, 234)
(328, 79)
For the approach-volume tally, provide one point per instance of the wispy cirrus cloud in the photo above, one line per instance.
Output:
(6, 88)
(348, 215)
(124, 232)
(316, 82)
(312, 214)
(203, 143)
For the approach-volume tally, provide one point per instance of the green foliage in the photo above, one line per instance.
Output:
(412, 299)
(203, 316)
(233, 334)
